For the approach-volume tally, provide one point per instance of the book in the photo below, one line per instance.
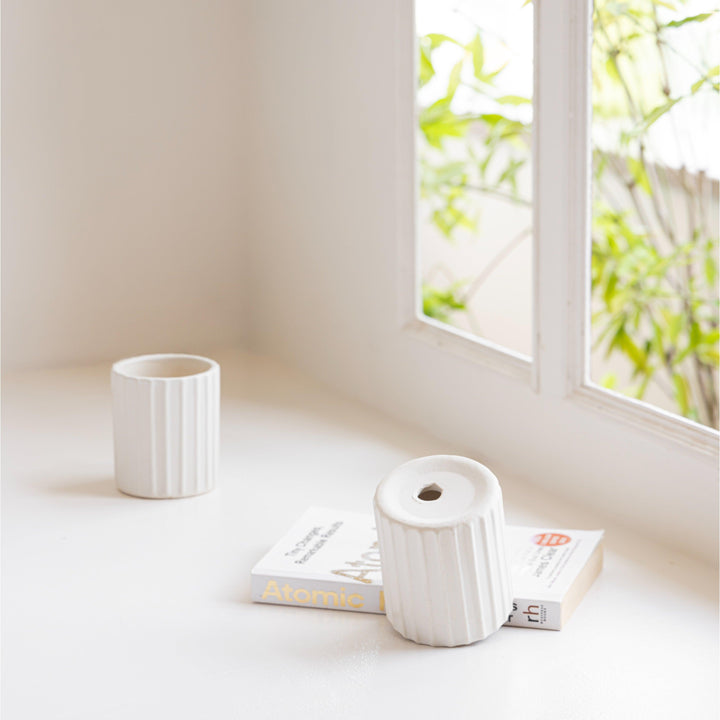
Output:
(330, 559)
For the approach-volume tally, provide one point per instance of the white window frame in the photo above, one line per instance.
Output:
(561, 217)
(659, 447)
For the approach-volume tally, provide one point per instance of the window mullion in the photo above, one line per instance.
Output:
(560, 62)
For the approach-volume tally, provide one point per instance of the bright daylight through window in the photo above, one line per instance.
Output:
(474, 155)
(655, 211)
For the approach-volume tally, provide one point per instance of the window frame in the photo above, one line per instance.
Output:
(561, 246)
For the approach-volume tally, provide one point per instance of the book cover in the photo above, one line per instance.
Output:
(330, 559)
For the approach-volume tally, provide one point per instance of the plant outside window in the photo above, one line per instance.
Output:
(655, 207)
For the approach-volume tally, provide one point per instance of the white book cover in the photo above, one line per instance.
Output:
(330, 559)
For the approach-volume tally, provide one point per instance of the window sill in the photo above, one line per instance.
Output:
(125, 606)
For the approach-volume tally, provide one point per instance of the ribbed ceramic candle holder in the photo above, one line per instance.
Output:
(441, 531)
(166, 416)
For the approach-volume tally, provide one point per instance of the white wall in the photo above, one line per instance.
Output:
(124, 178)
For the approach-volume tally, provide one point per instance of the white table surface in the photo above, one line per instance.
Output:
(115, 607)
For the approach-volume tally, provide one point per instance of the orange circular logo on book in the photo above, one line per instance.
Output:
(551, 539)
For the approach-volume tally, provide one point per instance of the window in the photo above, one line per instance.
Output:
(655, 212)
(544, 416)
(628, 195)
(475, 167)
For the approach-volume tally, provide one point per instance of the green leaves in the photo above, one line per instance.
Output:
(444, 186)
(639, 174)
(656, 113)
(441, 303)
(426, 70)
(513, 100)
(454, 80)
(622, 340)
(644, 311)
(435, 40)
(509, 174)
(438, 122)
(435, 177)
(682, 393)
(713, 72)
(654, 261)
(478, 56)
(710, 266)
(702, 17)
(426, 45)
(648, 120)
(449, 218)
(654, 278)
(492, 154)
(674, 324)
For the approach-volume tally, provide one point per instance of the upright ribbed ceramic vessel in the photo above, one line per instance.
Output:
(166, 417)
(441, 530)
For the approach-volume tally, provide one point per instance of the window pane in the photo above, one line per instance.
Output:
(474, 153)
(655, 217)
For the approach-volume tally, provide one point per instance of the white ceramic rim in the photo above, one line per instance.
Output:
(487, 491)
(118, 367)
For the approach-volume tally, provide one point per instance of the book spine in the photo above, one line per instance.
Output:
(285, 590)
(536, 614)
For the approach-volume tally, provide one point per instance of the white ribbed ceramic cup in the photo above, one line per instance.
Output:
(441, 532)
(166, 417)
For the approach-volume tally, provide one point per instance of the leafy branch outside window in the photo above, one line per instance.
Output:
(654, 228)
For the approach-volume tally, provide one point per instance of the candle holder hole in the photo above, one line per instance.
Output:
(430, 493)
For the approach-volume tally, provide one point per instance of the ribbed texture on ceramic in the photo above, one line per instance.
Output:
(166, 434)
(446, 586)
